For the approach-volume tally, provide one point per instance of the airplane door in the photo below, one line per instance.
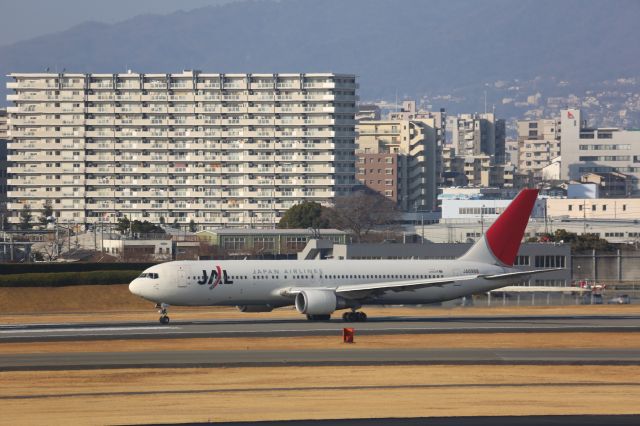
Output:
(182, 277)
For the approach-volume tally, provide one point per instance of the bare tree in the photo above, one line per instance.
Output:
(363, 211)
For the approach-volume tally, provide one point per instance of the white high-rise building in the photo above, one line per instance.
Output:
(219, 149)
(597, 150)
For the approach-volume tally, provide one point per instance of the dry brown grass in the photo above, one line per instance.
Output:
(115, 303)
(227, 394)
(426, 341)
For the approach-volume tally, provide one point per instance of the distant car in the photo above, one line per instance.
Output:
(620, 300)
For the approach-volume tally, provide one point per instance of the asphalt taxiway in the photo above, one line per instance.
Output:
(317, 357)
(301, 327)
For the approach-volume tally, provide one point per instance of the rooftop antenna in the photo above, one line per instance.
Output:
(396, 100)
(485, 101)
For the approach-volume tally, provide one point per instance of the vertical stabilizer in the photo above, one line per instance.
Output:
(501, 242)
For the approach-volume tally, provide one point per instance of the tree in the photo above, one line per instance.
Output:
(192, 226)
(145, 227)
(306, 215)
(162, 221)
(578, 243)
(175, 224)
(123, 225)
(47, 212)
(25, 217)
(363, 211)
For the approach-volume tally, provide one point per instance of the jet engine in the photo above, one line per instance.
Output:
(255, 308)
(318, 302)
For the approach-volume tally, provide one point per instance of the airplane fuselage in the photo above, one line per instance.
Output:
(261, 282)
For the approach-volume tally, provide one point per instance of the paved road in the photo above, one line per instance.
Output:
(295, 327)
(348, 355)
(594, 420)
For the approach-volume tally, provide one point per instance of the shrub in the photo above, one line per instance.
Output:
(27, 268)
(61, 279)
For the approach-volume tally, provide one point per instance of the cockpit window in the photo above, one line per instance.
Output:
(152, 275)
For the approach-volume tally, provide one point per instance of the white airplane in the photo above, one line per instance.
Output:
(318, 288)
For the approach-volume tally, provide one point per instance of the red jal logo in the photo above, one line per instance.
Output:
(217, 276)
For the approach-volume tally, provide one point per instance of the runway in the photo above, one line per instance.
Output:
(319, 357)
(302, 327)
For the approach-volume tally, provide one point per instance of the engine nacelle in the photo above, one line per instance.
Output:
(255, 308)
(318, 302)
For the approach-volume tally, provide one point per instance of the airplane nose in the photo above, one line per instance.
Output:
(134, 287)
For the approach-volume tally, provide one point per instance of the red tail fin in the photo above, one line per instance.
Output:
(502, 240)
(504, 236)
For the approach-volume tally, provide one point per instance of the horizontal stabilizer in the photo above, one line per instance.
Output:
(518, 274)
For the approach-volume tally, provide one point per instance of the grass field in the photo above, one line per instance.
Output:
(98, 303)
(227, 394)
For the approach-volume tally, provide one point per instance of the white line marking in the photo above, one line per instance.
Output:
(88, 329)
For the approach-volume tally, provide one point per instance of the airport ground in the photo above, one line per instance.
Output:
(309, 390)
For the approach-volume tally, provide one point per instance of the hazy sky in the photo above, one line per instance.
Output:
(24, 19)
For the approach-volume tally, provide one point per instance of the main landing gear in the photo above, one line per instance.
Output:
(162, 310)
(354, 316)
(319, 317)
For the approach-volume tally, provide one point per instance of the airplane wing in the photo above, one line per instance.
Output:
(356, 291)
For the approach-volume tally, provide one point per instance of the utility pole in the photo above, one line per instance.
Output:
(584, 217)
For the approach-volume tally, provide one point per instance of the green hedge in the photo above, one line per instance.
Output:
(27, 268)
(60, 279)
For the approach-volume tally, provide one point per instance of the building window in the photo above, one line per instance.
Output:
(549, 261)
(264, 244)
(604, 207)
(593, 208)
(521, 261)
(570, 207)
(295, 243)
(234, 243)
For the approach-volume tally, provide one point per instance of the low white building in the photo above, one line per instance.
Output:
(457, 210)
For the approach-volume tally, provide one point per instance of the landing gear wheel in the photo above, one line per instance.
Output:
(164, 318)
(354, 317)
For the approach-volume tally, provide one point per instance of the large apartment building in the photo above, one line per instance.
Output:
(4, 131)
(538, 145)
(219, 149)
(597, 150)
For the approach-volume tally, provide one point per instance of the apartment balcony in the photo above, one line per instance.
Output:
(235, 85)
(38, 84)
(154, 97)
(319, 85)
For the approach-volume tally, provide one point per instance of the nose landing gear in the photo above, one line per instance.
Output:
(163, 309)
(354, 316)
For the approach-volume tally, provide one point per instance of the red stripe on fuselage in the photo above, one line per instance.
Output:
(218, 278)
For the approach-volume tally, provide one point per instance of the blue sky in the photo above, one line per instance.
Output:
(24, 19)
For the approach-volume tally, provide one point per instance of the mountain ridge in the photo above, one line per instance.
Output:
(408, 47)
